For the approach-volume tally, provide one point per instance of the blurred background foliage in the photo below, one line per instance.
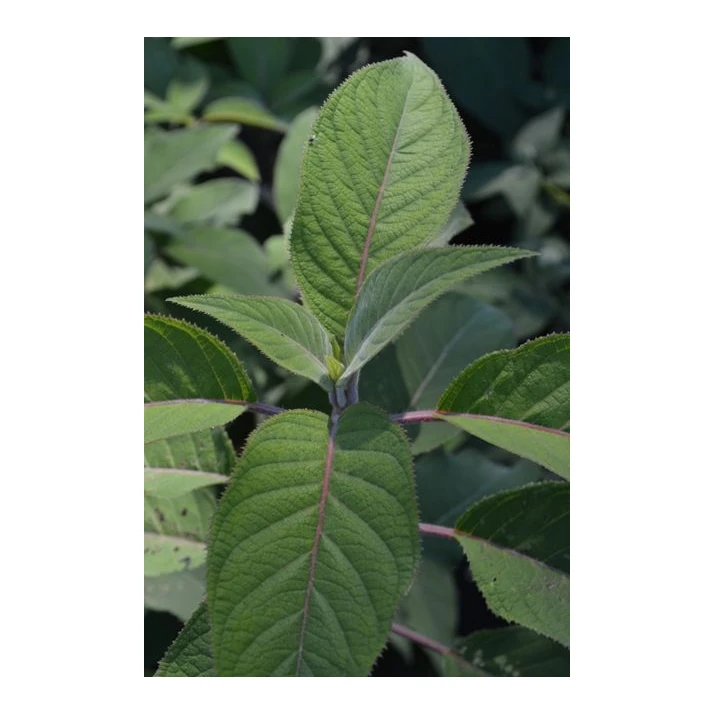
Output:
(226, 121)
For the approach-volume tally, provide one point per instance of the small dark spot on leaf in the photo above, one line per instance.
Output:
(184, 512)
(175, 549)
(185, 561)
(160, 514)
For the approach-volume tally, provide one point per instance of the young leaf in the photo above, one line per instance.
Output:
(517, 400)
(510, 651)
(174, 156)
(186, 370)
(190, 654)
(312, 547)
(284, 331)
(398, 291)
(289, 163)
(236, 155)
(219, 202)
(381, 175)
(231, 258)
(188, 87)
(517, 544)
(243, 111)
(458, 221)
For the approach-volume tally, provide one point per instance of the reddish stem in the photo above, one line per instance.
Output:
(438, 530)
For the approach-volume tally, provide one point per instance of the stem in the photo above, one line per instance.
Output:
(438, 530)
(434, 645)
(414, 417)
(414, 636)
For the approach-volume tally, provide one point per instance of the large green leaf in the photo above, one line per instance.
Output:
(517, 399)
(231, 258)
(289, 163)
(398, 291)
(190, 654)
(185, 370)
(174, 156)
(381, 176)
(517, 544)
(219, 202)
(510, 651)
(314, 543)
(284, 331)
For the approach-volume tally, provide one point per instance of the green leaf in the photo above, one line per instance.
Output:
(190, 654)
(396, 292)
(185, 368)
(209, 456)
(510, 651)
(183, 42)
(188, 87)
(219, 202)
(231, 258)
(517, 544)
(243, 111)
(173, 482)
(174, 156)
(236, 155)
(289, 163)
(175, 530)
(459, 221)
(312, 547)
(380, 177)
(539, 135)
(160, 111)
(518, 400)
(518, 183)
(487, 76)
(449, 483)
(179, 593)
(284, 331)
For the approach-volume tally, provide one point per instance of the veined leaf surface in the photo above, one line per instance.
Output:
(517, 544)
(188, 376)
(312, 546)
(398, 291)
(190, 654)
(518, 400)
(382, 173)
(284, 331)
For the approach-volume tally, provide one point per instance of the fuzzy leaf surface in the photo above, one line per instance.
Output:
(380, 177)
(185, 369)
(190, 654)
(509, 651)
(174, 156)
(517, 544)
(312, 547)
(398, 291)
(518, 400)
(284, 331)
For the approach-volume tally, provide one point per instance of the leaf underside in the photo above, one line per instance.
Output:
(312, 547)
